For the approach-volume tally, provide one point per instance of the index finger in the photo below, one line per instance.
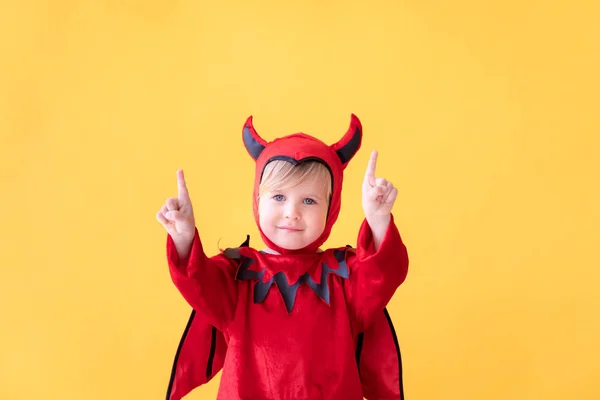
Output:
(370, 173)
(182, 192)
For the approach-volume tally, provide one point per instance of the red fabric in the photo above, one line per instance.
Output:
(194, 355)
(306, 354)
(380, 376)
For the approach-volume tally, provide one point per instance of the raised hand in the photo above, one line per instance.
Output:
(378, 195)
(177, 215)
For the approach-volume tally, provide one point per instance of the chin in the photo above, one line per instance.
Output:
(291, 245)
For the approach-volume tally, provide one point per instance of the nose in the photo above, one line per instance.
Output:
(292, 211)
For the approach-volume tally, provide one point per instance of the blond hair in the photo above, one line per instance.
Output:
(280, 174)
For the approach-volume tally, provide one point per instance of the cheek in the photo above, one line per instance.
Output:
(262, 211)
(319, 219)
(266, 211)
(323, 220)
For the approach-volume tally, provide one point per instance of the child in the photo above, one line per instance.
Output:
(292, 321)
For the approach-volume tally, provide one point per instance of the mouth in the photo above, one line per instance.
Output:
(289, 229)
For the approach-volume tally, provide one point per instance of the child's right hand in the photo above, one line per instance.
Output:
(177, 215)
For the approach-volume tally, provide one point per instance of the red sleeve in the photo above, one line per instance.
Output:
(374, 275)
(207, 284)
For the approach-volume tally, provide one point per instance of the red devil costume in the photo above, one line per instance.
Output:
(301, 325)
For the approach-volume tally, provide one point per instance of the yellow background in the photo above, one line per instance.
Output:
(485, 115)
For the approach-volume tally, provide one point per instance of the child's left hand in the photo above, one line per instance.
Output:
(378, 196)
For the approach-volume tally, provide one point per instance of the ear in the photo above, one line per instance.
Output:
(348, 145)
(254, 144)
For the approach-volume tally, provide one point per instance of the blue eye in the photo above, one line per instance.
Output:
(278, 197)
(309, 201)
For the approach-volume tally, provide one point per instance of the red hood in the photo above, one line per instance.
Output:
(300, 147)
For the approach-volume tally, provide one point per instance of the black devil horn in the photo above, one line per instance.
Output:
(348, 145)
(254, 144)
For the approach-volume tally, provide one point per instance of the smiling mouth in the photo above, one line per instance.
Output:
(288, 229)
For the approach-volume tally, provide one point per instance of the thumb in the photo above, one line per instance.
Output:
(374, 192)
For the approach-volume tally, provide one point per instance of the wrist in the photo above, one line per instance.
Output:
(379, 222)
(379, 226)
(183, 245)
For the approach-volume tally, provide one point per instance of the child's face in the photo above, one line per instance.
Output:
(293, 218)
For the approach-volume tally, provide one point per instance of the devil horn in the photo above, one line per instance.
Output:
(349, 144)
(252, 141)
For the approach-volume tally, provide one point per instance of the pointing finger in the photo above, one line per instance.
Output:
(370, 173)
(182, 192)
